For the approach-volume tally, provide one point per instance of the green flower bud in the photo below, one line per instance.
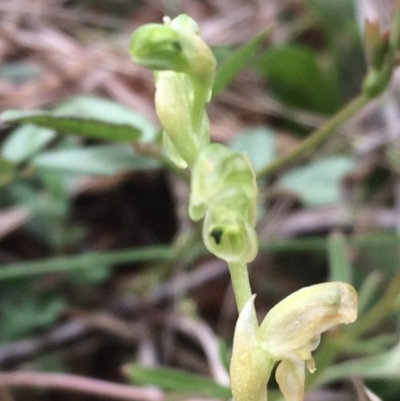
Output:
(185, 70)
(376, 44)
(220, 172)
(227, 235)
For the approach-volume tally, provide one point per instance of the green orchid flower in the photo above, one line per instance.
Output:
(221, 175)
(288, 334)
(184, 69)
(227, 235)
(224, 190)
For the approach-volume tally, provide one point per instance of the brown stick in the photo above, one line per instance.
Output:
(79, 384)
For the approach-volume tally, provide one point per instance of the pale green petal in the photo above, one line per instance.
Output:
(173, 110)
(293, 324)
(174, 46)
(290, 376)
(172, 152)
(251, 366)
(183, 21)
(159, 47)
(228, 236)
(220, 172)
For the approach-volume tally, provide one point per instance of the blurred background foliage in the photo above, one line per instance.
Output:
(102, 274)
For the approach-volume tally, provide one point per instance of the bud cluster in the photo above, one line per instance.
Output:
(184, 69)
(382, 50)
(223, 187)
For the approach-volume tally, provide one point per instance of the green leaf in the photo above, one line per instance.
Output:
(333, 16)
(20, 317)
(319, 182)
(368, 291)
(85, 261)
(7, 170)
(96, 160)
(88, 117)
(98, 108)
(236, 62)
(259, 143)
(171, 379)
(372, 346)
(382, 366)
(296, 78)
(339, 263)
(6, 166)
(25, 141)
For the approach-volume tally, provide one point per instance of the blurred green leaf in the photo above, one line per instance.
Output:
(319, 183)
(333, 15)
(259, 143)
(368, 290)
(88, 117)
(393, 157)
(97, 160)
(7, 170)
(382, 366)
(25, 141)
(21, 316)
(171, 379)
(236, 62)
(6, 166)
(373, 345)
(87, 277)
(98, 108)
(297, 79)
(339, 264)
(89, 260)
(225, 353)
(92, 260)
(386, 260)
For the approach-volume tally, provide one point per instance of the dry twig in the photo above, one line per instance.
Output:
(79, 384)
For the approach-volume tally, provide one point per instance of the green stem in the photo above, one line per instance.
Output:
(86, 261)
(318, 136)
(241, 286)
(240, 283)
(166, 252)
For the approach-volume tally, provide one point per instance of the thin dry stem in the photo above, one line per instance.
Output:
(79, 384)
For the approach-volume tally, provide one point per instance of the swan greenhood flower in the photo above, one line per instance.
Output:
(175, 46)
(224, 191)
(184, 70)
(289, 333)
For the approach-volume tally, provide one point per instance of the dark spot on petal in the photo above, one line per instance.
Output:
(177, 46)
(217, 234)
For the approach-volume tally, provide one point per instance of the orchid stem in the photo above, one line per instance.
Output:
(241, 285)
(317, 137)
